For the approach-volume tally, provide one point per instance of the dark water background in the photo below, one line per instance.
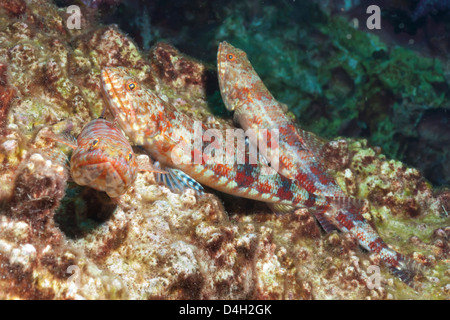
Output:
(316, 57)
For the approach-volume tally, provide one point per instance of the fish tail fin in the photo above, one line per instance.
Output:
(348, 217)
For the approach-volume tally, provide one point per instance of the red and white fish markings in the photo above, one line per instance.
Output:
(159, 127)
(103, 159)
(254, 107)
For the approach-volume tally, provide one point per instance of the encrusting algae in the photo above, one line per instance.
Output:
(59, 240)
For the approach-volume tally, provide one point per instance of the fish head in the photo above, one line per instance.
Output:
(134, 106)
(104, 159)
(235, 74)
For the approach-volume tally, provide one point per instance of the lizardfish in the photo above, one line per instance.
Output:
(254, 107)
(160, 128)
(104, 160)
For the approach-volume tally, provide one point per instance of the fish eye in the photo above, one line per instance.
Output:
(130, 156)
(230, 57)
(130, 86)
(95, 142)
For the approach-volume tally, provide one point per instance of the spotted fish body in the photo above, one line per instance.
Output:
(103, 159)
(160, 128)
(254, 107)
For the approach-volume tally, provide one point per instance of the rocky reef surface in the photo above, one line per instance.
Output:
(62, 241)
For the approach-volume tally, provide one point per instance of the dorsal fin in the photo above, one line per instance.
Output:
(347, 202)
(312, 142)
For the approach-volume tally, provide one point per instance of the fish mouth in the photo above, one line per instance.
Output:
(106, 80)
(102, 170)
(110, 78)
(106, 178)
(219, 58)
(108, 90)
(221, 72)
(87, 161)
(221, 52)
(107, 85)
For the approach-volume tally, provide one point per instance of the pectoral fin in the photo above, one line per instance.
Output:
(281, 208)
(178, 181)
(324, 221)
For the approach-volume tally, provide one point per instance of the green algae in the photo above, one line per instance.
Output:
(335, 77)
